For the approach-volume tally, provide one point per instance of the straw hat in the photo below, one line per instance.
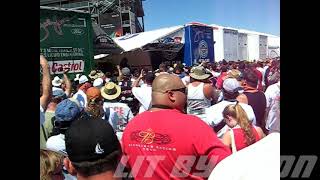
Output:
(234, 73)
(95, 74)
(110, 91)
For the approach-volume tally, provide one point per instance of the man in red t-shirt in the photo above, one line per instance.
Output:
(165, 143)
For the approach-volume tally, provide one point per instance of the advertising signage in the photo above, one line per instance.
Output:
(66, 40)
(198, 44)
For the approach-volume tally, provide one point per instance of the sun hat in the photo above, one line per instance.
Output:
(199, 73)
(110, 91)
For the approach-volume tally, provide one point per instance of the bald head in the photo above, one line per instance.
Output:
(165, 82)
(165, 91)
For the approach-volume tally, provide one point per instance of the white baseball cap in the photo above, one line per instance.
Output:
(83, 79)
(56, 82)
(98, 82)
(232, 85)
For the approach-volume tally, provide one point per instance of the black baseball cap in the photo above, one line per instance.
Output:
(90, 139)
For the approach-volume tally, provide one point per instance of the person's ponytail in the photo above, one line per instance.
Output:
(245, 124)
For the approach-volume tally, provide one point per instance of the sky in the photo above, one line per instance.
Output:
(256, 15)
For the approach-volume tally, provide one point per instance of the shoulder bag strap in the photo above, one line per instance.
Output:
(44, 132)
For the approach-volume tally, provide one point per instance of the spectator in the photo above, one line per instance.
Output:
(214, 70)
(98, 83)
(162, 131)
(111, 93)
(241, 133)
(231, 94)
(170, 70)
(273, 75)
(108, 77)
(124, 63)
(200, 94)
(95, 107)
(234, 73)
(76, 79)
(93, 149)
(259, 75)
(234, 66)
(47, 127)
(75, 85)
(136, 76)
(56, 83)
(258, 161)
(242, 67)
(62, 84)
(178, 70)
(222, 76)
(273, 108)
(95, 74)
(66, 112)
(224, 62)
(81, 94)
(143, 93)
(256, 98)
(46, 88)
(125, 82)
(162, 69)
(259, 67)
(266, 72)
(51, 164)
(186, 78)
(95, 102)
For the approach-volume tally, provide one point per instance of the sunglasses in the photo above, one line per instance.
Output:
(183, 90)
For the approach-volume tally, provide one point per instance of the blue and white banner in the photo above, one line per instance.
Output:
(198, 44)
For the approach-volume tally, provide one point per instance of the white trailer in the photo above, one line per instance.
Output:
(263, 46)
(242, 46)
(253, 47)
(230, 44)
(218, 43)
(252, 44)
(234, 44)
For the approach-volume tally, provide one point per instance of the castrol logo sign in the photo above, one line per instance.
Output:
(74, 66)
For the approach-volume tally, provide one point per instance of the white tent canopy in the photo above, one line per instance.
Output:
(138, 40)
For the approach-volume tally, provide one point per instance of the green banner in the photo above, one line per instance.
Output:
(66, 40)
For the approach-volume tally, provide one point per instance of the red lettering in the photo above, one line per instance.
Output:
(67, 66)
(72, 67)
(54, 67)
(76, 67)
(60, 68)
(80, 66)
(119, 110)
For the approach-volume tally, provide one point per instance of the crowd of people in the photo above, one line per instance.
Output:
(170, 123)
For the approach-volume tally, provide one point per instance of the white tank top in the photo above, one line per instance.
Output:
(197, 100)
